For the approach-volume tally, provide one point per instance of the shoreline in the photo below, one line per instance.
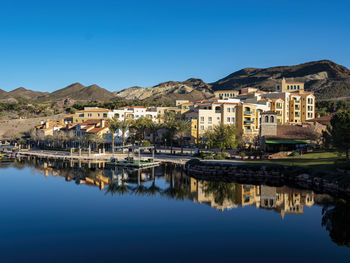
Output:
(275, 175)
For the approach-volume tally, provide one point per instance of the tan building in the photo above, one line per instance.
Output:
(289, 86)
(49, 127)
(225, 94)
(91, 113)
(248, 119)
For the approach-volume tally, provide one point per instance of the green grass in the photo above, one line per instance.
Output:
(323, 161)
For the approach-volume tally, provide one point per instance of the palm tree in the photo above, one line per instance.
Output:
(171, 131)
(140, 125)
(182, 127)
(115, 124)
(154, 127)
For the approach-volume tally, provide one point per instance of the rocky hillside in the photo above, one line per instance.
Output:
(21, 94)
(191, 89)
(326, 78)
(76, 91)
(80, 92)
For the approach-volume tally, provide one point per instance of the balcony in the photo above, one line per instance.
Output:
(297, 101)
(247, 112)
(297, 116)
(279, 114)
(248, 122)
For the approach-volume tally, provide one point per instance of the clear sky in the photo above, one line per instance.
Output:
(47, 45)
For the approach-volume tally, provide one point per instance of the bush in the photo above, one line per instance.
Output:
(221, 156)
(146, 143)
(207, 155)
(295, 154)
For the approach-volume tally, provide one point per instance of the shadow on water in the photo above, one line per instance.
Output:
(171, 182)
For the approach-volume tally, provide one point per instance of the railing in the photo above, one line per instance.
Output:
(248, 122)
(247, 112)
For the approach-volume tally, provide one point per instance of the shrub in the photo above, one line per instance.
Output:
(146, 143)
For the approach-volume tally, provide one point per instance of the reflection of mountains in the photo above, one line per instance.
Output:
(173, 183)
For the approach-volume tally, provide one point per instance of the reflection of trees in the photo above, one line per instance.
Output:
(114, 187)
(221, 191)
(336, 220)
(153, 189)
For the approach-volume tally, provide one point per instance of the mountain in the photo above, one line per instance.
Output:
(77, 91)
(26, 94)
(326, 78)
(191, 89)
(20, 94)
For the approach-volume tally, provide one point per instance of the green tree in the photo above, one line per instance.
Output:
(223, 137)
(340, 132)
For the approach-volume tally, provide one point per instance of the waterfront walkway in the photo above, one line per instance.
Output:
(106, 157)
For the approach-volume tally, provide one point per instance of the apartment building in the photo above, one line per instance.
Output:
(289, 86)
(92, 126)
(90, 113)
(225, 94)
(134, 113)
(208, 114)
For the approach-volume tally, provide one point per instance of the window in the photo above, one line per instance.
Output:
(228, 110)
(210, 127)
(104, 115)
(202, 118)
(228, 119)
(266, 118)
(272, 119)
(202, 127)
(210, 119)
(218, 118)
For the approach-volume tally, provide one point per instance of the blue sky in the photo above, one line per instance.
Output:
(47, 45)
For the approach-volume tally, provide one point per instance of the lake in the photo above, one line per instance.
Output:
(60, 212)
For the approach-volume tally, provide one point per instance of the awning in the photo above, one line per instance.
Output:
(286, 141)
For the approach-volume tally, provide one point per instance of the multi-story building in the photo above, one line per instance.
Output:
(208, 114)
(91, 113)
(226, 94)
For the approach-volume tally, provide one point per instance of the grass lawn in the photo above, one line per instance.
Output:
(315, 160)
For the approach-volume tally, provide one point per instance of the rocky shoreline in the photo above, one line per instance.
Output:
(274, 176)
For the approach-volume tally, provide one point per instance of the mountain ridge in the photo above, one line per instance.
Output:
(327, 79)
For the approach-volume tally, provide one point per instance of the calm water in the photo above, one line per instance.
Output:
(53, 213)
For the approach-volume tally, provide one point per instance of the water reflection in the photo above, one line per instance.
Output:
(173, 183)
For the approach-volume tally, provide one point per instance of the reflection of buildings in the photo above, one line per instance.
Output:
(178, 185)
(198, 194)
(281, 199)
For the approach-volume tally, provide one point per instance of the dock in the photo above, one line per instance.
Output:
(105, 158)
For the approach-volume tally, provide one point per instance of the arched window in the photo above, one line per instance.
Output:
(272, 119)
(266, 118)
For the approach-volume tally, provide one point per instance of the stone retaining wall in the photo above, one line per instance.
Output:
(266, 175)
